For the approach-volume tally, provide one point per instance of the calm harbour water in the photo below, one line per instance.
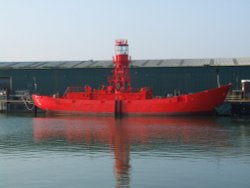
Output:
(132, 152)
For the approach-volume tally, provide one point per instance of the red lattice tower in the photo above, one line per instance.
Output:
(121, 75)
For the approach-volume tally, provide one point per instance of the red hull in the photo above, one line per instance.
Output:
(197, 103)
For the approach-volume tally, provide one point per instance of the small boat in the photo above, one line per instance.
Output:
(118, 97)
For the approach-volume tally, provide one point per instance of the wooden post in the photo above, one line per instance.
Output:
(118, 108)
(35, 111)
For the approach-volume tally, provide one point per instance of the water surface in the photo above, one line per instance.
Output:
(131, 152)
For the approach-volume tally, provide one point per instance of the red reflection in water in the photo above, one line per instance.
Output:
(121, 134)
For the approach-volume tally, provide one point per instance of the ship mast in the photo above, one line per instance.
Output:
(121, 75)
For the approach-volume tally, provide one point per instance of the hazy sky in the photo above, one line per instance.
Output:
(156, 29)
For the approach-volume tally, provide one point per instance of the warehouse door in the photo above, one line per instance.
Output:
(5, 84)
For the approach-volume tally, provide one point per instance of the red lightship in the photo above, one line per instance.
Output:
(118, 98)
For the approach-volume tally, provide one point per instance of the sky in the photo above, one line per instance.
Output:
(52, 30)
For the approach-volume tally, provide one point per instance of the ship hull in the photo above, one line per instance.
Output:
(203, 102)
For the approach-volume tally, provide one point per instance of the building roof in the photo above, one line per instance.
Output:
(134, 63)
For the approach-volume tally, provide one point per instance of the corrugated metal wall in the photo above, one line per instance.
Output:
(163, 80)
(188, 79)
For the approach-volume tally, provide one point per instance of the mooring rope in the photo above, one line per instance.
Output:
(27, 103)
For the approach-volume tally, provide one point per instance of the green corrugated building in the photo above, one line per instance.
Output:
(164, 76)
